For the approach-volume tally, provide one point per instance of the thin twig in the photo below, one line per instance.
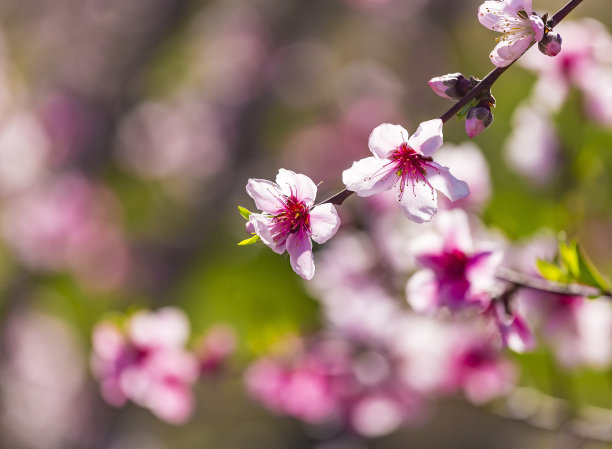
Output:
(545, 285)
(484, 84)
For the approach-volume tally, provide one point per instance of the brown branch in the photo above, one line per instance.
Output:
(483, 85)
(545, 285)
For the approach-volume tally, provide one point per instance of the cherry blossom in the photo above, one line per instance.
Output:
(290, 219)
(146, 363)
(456, 273)
(517, 23)
(404, 162)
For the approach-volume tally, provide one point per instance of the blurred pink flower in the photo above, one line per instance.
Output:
(517, 23)
(455, 272)
(290, 218)
(533, 130)
(67, 223)
(468, 164)
(146, 363)
(584, 63)
(217, 345)
(404, 163)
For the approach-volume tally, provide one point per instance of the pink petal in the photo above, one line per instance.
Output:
(108, 341)
(297, 184)
(266, 194)
(442, 180)
(324, 222)
(455, 227)
(171, 402)
(427, 138)
(168, 327)
(537, 25)
(490, 13)
(520, 5)
(481, 269)
(422, 292)
(507, 51)
(386, 138)
(299, 248)
(261, 224)
(517, 336)
(419, 203)
(369, 176)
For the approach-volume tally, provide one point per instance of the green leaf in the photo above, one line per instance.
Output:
(589, 275)
(568, 257)
(244, 212)
(550, 271)
(249, 241)
(464, 110)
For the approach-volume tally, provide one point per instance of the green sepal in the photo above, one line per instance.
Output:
(589, 275)
(464, 110)
(246, 214)
(550, 271)
(249, 241)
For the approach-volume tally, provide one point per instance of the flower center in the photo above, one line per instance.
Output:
(410, 167)
(454, 264)
(294, 217)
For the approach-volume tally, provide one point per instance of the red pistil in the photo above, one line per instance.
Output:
(294, 217)
(409, 166)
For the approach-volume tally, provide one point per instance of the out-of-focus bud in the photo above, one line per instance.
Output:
(478, 118)
(452, 85)
(550, 44)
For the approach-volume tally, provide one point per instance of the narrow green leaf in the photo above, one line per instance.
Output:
(568, 257)
(244, 212)
(249, 241)
(550, 271)
(589, 275)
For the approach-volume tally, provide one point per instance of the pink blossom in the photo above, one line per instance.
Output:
(405, 163)
(513, 330)
(477, 120)
(517, 23)
(145, 362)
(217, 345)
(455, 272)
(550, 45)
(290, 219)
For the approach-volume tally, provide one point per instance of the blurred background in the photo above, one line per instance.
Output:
(128, 131)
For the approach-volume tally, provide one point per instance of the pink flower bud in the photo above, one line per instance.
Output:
(477, 119)
(250, 229)
(451, 86)
(550, 44)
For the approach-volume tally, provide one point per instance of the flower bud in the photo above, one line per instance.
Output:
(550, 44)
(452, 85)
(250, 229)
(477, 119)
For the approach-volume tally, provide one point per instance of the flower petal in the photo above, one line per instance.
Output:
(299, 248)
(324, 222)
(441, 179)
(369, 176)
(267, 195)
(386, 138)
(537, 25)
(262, 223)
(520, 5)
(427, 138)
(422, 292)
(296, 184)
(419, 202)
(507, 51)
(494, 15)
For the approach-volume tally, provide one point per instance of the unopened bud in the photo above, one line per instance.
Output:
(452, 85)
(477, 119)
(550, 44)
(250, 229)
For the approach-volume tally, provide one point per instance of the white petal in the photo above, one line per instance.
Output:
(324, 222)
(520, 5)
(537, 25)
(427, 138)
(267, 195)
(494, 15)
(441, 179)
(386, 138)
(262, 223)
(299, 248)
(422, 292)
(420, 202)
(512, 49)
(296, 184)
(369, 176)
